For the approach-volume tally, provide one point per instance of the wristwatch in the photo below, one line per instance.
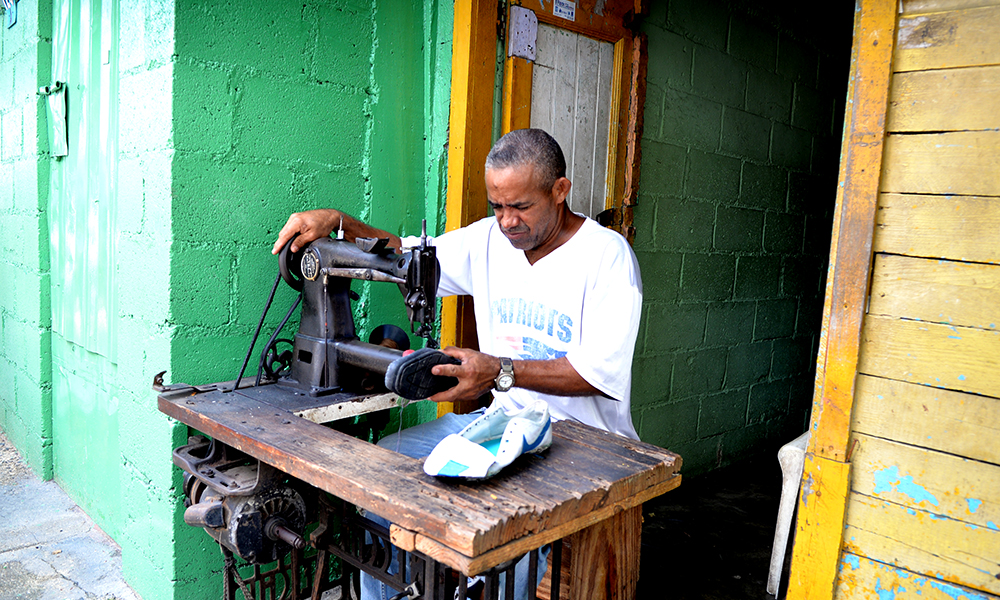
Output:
(505, 379)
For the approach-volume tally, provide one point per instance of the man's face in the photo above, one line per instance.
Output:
(528, 214)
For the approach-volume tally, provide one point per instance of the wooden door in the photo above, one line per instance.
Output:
(577, 70)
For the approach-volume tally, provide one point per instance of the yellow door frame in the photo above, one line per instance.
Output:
(473, 69)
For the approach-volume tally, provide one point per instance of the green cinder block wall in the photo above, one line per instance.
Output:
(229, 117)
(25, 315)
(738, 181)
(277, 109)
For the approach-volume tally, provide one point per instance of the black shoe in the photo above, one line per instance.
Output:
(410, 376)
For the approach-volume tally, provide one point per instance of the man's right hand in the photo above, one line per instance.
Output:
(310, 225)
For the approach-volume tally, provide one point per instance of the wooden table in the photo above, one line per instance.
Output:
(588, 486)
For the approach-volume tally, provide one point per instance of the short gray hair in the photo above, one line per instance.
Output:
(529, 146)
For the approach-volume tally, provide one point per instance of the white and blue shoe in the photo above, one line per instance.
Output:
(491, 442)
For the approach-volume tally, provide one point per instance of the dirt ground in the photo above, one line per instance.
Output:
(711, 538)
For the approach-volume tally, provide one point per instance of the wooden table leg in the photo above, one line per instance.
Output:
(605, 558)
(602, 561)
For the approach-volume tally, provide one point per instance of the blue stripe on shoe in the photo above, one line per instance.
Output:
(453, 469)
(541, 436)
(492, 445)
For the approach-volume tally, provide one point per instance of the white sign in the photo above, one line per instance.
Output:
(565, 9)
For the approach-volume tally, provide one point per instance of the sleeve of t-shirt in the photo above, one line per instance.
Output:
(610, 322)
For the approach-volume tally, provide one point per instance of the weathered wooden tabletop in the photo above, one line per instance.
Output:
(586, 476)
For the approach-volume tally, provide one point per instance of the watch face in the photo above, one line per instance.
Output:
(505, 381)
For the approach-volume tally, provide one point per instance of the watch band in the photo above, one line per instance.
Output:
(505, 378)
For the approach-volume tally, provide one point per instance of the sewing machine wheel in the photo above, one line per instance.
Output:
(290, 266)
(390, 336)
(277, 363)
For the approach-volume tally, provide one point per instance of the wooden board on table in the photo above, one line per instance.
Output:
(954, 422)
(936, 291)
(923, 542)
(945, 100)
(944, 484)
(556, 490)
(961, 162)
(960, 38)
(861, 578)
(956, 227)
(945, 356)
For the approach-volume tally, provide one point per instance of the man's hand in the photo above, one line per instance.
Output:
(475, 375)
(478, 371)
(314, 224)
(310, 225)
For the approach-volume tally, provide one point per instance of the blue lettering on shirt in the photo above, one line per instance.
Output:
(536, 350)
(548, 321)
(524, 312)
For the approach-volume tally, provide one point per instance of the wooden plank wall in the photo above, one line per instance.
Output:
(923, 516)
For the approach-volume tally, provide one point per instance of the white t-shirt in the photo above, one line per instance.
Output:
(581, 301)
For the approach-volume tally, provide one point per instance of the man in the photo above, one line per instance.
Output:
(553, 290)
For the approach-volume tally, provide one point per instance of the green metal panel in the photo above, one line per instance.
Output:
(82, 232)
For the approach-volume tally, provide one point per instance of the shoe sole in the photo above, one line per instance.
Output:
(410, 376)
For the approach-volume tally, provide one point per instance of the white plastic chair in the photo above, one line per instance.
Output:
(792, 458)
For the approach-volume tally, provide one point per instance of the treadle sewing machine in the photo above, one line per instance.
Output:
(275, 483)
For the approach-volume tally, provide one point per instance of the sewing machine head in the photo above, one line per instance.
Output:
(327, 355)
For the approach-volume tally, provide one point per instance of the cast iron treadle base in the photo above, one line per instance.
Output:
(363, 545)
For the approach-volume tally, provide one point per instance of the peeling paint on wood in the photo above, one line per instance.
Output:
(923, 542)
(863, 578)
(961, 38)
(917, 478)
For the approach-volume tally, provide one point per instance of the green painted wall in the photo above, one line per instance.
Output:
(278, 109)
(738, 181)
(229, 117)
(25, 315)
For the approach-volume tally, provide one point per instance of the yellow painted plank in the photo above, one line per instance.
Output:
(963, 228)
(942, 484)
(938, 291)
(853, 227)
(909, 8)
(923, 542)
(819, 523)
(945, 356)
(825, 482)
(945, 100)
(862, 578)
(943, 163)
(961, 38)
(954, 422)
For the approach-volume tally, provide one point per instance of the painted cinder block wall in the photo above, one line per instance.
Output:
(25, 316)
(277, 110)
(738, 179)
(230, 116)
